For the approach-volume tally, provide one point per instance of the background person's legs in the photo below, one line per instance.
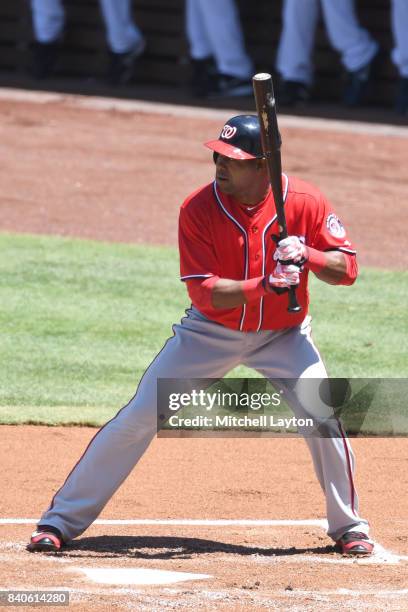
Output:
(122, 32)
(48, 24)
(198, 38)
(125, 39)
(294, 58)
(399, 21)
(222, 23)
(48, 20)
(204, 69)
(356, 47)
(295, 51)
(214, 29)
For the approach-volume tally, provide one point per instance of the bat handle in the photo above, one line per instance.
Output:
(293, 304)
(292, 299)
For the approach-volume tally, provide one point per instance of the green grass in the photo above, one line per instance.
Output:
(362, 331)
(81, 320)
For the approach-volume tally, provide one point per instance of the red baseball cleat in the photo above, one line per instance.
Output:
(355, 543)
(45, 539)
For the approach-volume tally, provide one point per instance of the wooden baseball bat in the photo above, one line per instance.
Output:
(271, 145)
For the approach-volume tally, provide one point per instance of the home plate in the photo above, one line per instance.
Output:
(140, 576)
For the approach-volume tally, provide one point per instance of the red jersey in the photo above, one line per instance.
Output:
(219, 236)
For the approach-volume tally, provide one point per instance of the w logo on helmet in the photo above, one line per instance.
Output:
(228, 132)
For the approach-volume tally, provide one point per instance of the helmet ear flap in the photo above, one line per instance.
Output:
(215, 157)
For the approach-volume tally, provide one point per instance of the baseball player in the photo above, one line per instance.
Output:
(234, 276)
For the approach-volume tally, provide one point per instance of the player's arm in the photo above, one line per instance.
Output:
(333, 267)
(338, 269)
(221, 293)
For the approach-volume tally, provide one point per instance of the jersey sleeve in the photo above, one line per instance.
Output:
(329, 234)
(197, 256)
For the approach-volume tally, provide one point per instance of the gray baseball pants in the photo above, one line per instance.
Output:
(203, 349)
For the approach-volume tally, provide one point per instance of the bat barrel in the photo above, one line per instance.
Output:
(271, 144)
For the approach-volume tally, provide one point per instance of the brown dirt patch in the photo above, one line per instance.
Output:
(256, 567)
(120, 176)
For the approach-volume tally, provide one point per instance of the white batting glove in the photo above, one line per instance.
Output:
(290, 249)
(283, 277)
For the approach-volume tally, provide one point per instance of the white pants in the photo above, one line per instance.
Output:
(203, 349)
(300, 17)
(122, 33)
(213, 28)
(399, 21)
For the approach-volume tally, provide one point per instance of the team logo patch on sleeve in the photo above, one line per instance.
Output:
(335, 226)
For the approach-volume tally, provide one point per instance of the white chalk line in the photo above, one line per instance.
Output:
(175, 110)
(193, 522)
(380, 556)
(296, 593)
(348, 593)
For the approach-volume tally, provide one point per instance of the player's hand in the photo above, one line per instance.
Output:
(291, 249)
(282, 277)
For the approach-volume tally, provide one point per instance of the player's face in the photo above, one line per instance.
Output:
(238, 178)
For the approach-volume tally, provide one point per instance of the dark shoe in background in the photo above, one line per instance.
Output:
(44, 57)
(204, 77)
(401, 101)
(229, 86)
(359, 83)
(293, 93)
(207, 82)
(122, 65)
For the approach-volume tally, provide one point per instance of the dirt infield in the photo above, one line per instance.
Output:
(121, 176)
(254, 567)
